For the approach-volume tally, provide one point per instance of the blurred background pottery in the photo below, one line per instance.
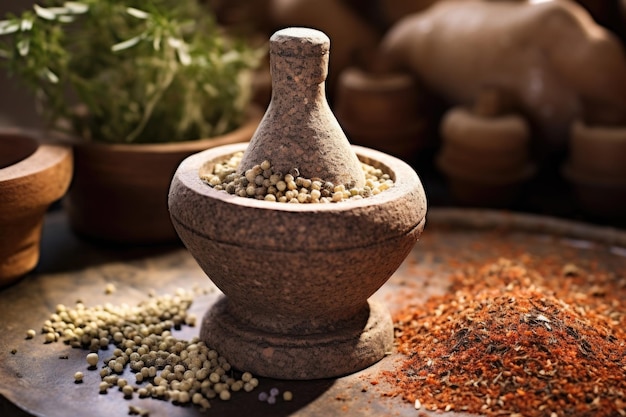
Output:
(382, 111)
(33, 175)
(596, 169)
(119, 191)
(485, 152)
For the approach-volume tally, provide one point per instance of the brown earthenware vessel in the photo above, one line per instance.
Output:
(484, 158)
(119, 191)
(382, 111)
(596, 169)
(33, 175)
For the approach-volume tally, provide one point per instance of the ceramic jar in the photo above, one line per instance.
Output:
(485, 159)
(33, 175)
(382, 111)
(596, 169)
(119, 191)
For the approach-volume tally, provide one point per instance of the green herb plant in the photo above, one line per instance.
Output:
(131, 71)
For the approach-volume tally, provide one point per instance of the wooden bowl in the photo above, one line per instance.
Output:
(33, 175)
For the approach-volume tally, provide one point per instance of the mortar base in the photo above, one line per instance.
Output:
(300, 357)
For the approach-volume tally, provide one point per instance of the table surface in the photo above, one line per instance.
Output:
(35, 381)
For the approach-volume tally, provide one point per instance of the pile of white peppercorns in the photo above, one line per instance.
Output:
(262, 183)
(164, 367)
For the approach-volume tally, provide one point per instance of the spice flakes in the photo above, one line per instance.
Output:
(508, 340)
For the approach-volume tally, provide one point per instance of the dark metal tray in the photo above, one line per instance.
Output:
(34, 381)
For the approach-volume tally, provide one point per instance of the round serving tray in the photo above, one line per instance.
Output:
(35, 381)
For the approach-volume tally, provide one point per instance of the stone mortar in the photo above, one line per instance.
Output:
(297, 277)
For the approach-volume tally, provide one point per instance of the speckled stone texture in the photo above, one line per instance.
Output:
(360, 341)
(298, 276)
(299, 129)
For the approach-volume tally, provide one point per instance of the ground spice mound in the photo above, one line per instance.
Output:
(508, 340)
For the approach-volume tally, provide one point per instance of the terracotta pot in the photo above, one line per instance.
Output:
(486, 159)
(119, 191)
(598, 151)
(33, 175)
(596, 169)
(382, 111)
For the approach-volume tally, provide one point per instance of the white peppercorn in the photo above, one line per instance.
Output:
(92, 359)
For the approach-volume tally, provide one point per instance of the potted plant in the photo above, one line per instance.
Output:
(137, 85)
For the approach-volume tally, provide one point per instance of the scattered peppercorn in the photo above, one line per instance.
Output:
(92, 359)
(165, 367)
(78, 377)
(262, 183)
(110, 288)
(30, 333)
(133, 410)
(509, 340)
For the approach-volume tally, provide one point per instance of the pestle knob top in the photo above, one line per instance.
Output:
(299, 42)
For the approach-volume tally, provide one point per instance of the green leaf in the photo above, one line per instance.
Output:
(51, 76)
(23, 46)
(66, 19)
(139, 14)
(76, 7)
(129, 43)
(182, 50)
(26, 25)
(44, 13)
(8, 26)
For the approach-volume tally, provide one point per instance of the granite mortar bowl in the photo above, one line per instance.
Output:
(297, 277)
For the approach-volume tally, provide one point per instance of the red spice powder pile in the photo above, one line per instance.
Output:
(508, 340)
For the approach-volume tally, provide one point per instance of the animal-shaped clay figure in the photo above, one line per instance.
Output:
(557, 62)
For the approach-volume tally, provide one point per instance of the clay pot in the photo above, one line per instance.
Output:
(119, 191)
(33, 175)
(596, 169)
(485, 159)
(381, 111)
(297, 277)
